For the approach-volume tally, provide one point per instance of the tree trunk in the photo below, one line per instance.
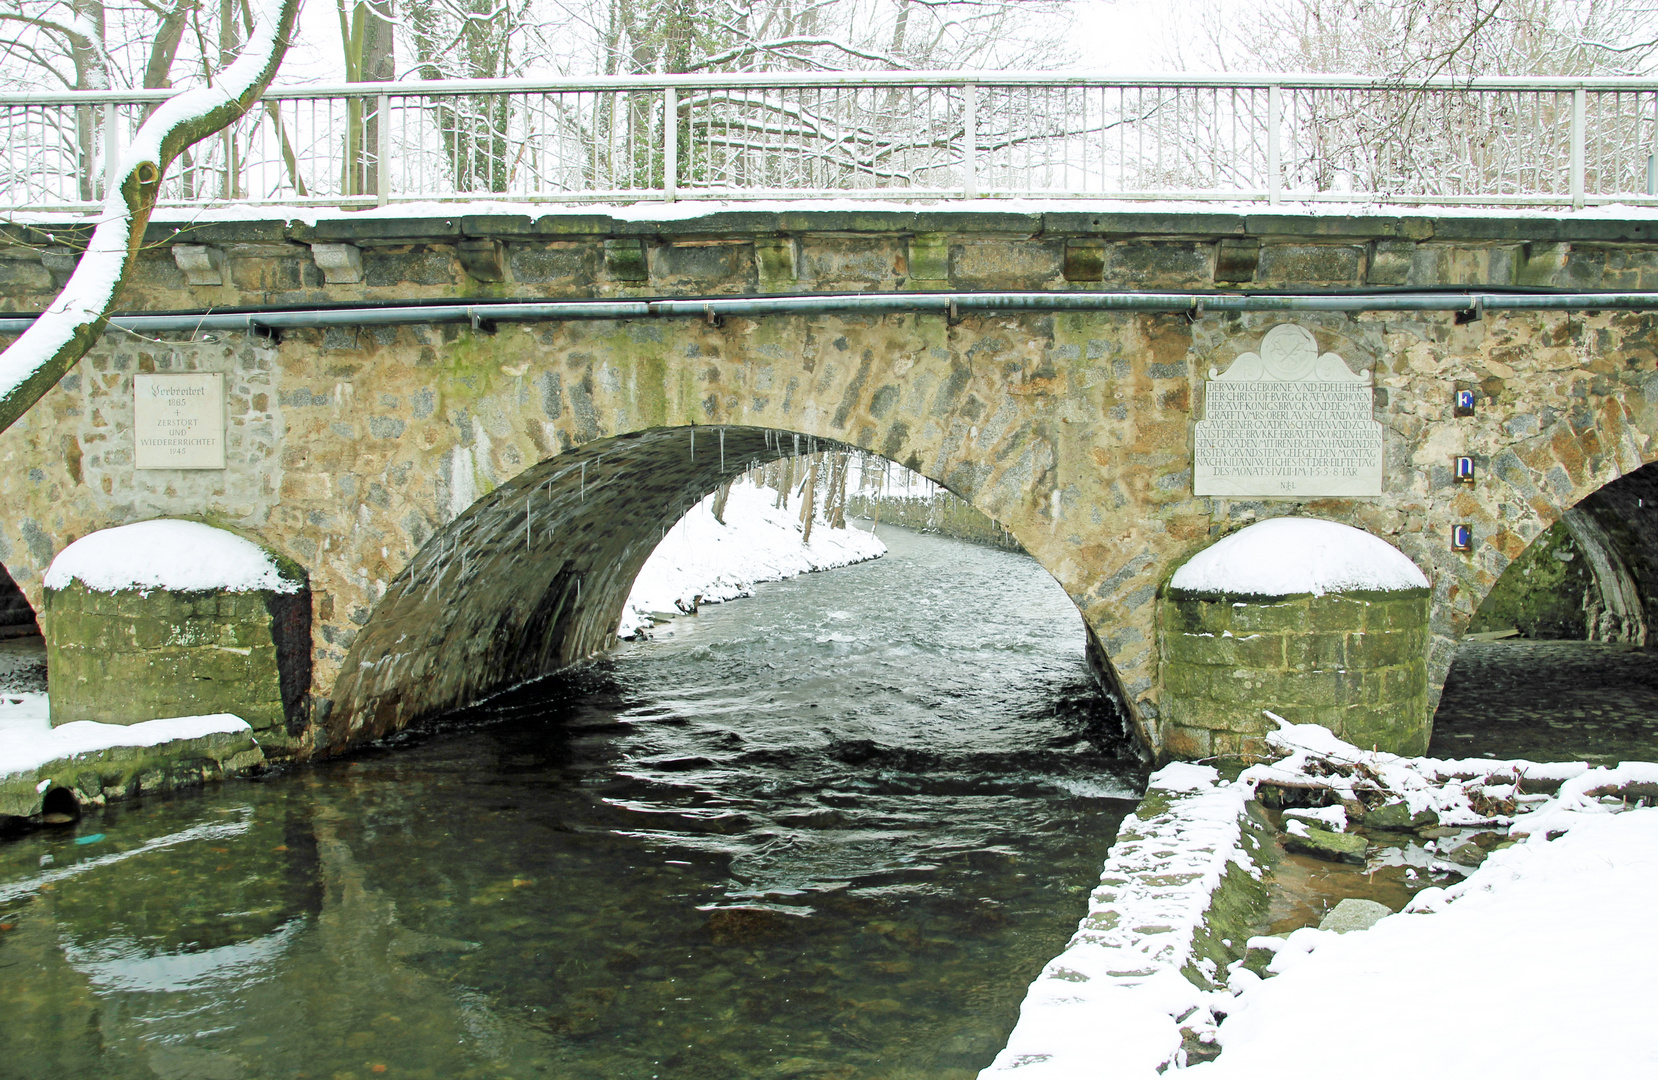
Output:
(808, 491)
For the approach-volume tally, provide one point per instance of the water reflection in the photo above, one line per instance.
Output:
(831, 831)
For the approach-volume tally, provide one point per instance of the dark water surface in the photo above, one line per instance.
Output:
(829, 831)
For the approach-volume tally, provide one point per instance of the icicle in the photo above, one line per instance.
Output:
(584, 481)
(722, 450)
(797, 444)
(529, 501)
(693, 443)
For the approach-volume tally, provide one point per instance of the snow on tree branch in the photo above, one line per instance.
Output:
(75, 320)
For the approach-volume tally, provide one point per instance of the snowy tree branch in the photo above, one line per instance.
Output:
(74, 321)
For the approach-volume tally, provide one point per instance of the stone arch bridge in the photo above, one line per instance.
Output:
(472, 493)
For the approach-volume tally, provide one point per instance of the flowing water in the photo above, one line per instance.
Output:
(832, 830)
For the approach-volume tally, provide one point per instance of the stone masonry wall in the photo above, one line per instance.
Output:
(371, 456)
(130, 656)
(1354, 662)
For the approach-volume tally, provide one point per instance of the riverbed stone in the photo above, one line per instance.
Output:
(1394, 815)
(1354, 914)
(1327, 845)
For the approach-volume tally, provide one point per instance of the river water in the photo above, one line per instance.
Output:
(832, 830)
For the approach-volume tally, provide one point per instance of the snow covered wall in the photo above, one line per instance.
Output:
(177, 618)
(1315, 620)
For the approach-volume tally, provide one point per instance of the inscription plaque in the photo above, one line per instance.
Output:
(179, 421)
(1287, 422)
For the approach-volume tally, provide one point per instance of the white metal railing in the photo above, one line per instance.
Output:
(893, 135)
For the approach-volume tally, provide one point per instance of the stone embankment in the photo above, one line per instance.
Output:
(1217, 885)
(941, 513)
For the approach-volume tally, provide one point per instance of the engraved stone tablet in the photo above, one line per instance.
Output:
(179, 421)
(1289, 423)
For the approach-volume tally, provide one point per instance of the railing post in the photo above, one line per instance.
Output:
(1580, 104)
(670, 143)
(112, 147)
(1652, 158)
(1275, 180)
(382, 149)
(970, 141)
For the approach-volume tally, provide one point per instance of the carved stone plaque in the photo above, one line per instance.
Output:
(179, 421)
(1287, 422)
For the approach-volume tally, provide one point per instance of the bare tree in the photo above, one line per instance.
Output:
(1405, 137)
(74, 321)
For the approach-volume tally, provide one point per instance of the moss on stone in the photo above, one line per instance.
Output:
(136, 655)
(1542, 592)
(1354, 662)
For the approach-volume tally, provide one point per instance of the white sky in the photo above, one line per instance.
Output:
(1126, 36)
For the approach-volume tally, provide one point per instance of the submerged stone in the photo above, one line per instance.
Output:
(1468, 854)
(1354, 914)
(1327, 845)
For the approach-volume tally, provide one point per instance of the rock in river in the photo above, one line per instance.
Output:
(1353, 914)
(1327, 845)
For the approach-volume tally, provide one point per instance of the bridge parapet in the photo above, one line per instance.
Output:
(354, 258)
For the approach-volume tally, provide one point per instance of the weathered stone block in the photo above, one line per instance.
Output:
(136, 655)
(1162, 264)
(483, 260)
(1281, 616)
(1314, 651)
(1084, 260)
(1390, 262)
(929, 258)
(201, 264)
(774, 260)
(1311, 264)
(1185, 743)
(1336, 613)
(624, 260)
(1194, 616)
(1236, 259)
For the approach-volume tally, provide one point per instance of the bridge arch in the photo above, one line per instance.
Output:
(533, 576)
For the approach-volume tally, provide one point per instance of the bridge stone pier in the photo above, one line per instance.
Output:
(472, 502)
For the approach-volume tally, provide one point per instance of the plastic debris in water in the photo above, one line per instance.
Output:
(90, 838)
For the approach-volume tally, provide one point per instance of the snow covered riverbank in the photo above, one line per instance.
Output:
(758, 542)
(1536, 964)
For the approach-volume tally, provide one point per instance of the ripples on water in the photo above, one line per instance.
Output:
(829, 831)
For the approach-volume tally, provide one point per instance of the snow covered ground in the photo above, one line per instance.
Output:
(1537, 964)
(758, 542)
(28, 740)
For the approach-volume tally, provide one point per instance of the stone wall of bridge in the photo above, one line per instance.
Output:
(471, 506)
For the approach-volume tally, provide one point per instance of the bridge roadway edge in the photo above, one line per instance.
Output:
(395, 463)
